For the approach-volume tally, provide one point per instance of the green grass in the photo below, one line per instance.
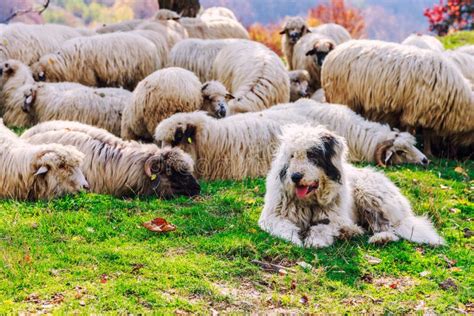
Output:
(89, 254)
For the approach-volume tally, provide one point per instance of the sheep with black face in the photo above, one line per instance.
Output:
(313, 196)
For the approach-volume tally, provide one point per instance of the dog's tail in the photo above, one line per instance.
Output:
(419, 229)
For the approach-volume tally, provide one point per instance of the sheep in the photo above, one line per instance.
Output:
(171, 30)
(299, 81)
(216, 12)
(463, 62)
(165, 14)
(156, 98)
(319, 96)
(424, 42)
(106, 60)
(28, 43)
(254, 75)
(467, 49)
(336, 32)
(197, 55)
(242, 145)
(122, 26)
(214, 28)
(419, 89)
(311, 50)
(121, 168)
(31, 103)
(313, 196)
(293, 29)
(160, 42)
(34, 172)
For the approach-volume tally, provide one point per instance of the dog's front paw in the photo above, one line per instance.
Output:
(318, 238)
(383, 238)
(348, 231)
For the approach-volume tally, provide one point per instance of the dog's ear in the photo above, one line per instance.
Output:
(311, 52)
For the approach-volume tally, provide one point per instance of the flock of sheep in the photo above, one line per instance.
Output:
(147, 107)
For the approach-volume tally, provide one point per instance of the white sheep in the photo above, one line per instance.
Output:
(32, 103)
(197, 55)
(120, 168)
(32, 172)
(242, 145)
(217, 12)
(424, 41)
(293, 29)
(254, 74)
(166, 92)
(314, 197)
(299, 84)
(214, 28)
(28, 43)
(468, 49)
(336, 32)
(420, 88)
(105, 60)
(464, 63)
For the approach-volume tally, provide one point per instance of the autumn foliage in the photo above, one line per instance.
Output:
(453, 16)
(336, 11)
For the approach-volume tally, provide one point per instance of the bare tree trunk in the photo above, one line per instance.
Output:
(189, 8)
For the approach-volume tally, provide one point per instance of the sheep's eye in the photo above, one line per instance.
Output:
(292, 156)
(400, 152)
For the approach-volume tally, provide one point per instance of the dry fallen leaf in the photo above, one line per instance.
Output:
(372, 260)
(304, 300)
(159, 225)
(460, 170)
(425, 273)
(103, 278)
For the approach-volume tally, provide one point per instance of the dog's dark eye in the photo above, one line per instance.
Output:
(311, 155)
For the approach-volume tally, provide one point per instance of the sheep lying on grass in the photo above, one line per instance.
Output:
(242, 145)
(121, 168)
(32, 172)
(28, 43)
(106, 60)
(421, 88)
(31, 103)
(156, 98)
(293, 29)
(313, 196)
(254, 75)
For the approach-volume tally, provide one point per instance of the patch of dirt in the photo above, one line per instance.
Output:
(245, 297)
(400, 284)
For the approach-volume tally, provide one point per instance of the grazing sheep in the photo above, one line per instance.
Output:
(419, 89)
(106, 60)
(218, 12)
(166, 92)
(160, 42)
(165, 14)
(254, 75)
(242, 145)
(464, 63)
(299, 81)
(121, 168)
(28, 43)
(467, 49)
(215, 28)
(197, 55)
(31, 103)
(311, 50)
(293, 29)
(313, 196)
(424, 42)
(32, 172)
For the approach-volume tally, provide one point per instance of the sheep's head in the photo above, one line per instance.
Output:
(320, 50)
(56, 171)
(294, 28)
(215, 97)
(399, 148)
(165, 14)
(170, 172)
(299, 82)
(14, 70)
(29, 97)
(44, 69)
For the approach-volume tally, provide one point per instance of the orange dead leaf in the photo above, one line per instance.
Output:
(159, 225)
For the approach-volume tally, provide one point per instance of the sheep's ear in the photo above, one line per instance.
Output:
(41, 170)
(229, 96)
(311, 52)
(331, 46)
(282, 32)
(204, 86)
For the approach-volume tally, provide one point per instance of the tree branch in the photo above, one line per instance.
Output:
(16, 13)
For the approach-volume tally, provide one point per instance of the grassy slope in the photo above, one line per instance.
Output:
(89, 253)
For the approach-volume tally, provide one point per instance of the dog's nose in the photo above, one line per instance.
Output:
(296, 177)
(425, 161)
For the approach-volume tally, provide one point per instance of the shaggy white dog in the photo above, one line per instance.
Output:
(314, 196)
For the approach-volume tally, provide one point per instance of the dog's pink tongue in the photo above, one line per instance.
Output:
(301, 191)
